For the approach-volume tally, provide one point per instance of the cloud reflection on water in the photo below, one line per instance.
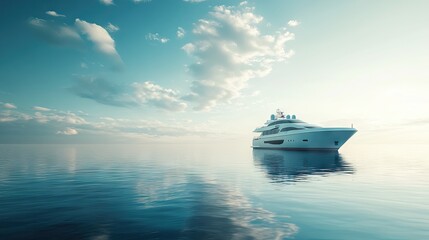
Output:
(222, 213)
(203, 210)
(81, 192)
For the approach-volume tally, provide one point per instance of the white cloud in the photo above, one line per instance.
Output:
(12, 116)
(54, 33)
(55, 14)
(112, 28)
(99, 36)
(16, 126)
(180, 32)
(83, 65)
(134, 95)
(58, 117)
(9, 106)
(68, 131)
(43, 109)
(107, 2)
(293, 23)
(4, 119)
(142, 1)
(43, 116)
(229, 50)
(153, 94)
(194, 1)
(189, 48)
(156, 37)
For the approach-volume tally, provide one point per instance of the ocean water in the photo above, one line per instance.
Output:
(202, 191)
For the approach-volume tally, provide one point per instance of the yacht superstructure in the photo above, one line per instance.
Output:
(288, 132)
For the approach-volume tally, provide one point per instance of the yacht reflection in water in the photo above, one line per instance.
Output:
(292, 166)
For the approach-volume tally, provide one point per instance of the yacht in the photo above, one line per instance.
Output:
(290, 133)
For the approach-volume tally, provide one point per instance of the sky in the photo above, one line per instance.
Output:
(178, 71)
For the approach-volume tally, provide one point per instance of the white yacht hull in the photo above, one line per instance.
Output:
(308, 139)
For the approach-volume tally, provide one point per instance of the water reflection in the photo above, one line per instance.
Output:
(81, 192)
(222, 213)
(291, 166)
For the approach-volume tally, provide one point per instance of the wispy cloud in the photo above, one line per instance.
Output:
(54, 14)
(102, 91)
(293, 23)
(180, 32)
(229, 50)
(9, 106)
(112, 28)
(56, 126)
(43, 116)
(156, 37)
(43, 109)
(55, 33)
(69, 118)
(21, 127)
(136, 94)
(107, 2)
(11, 115)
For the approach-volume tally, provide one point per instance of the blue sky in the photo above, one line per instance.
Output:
(147, 71)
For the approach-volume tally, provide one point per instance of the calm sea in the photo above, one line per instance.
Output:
(167, 191)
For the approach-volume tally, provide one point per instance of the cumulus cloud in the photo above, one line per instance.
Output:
(180, 32)
(54, 33)
(9, 106)
(99, 36)
(229, 50)
(54, 14)
(156, 37)
(112, 28)
(155, 95)
(43, 109)
(136, 94)
(107, 2)
(68, 131)
(293, 23)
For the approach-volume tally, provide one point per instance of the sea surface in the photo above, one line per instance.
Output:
(169, 191)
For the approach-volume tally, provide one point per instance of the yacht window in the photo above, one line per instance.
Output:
(269, 132)
(286, 121)
(290, 129)
(274, 141)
